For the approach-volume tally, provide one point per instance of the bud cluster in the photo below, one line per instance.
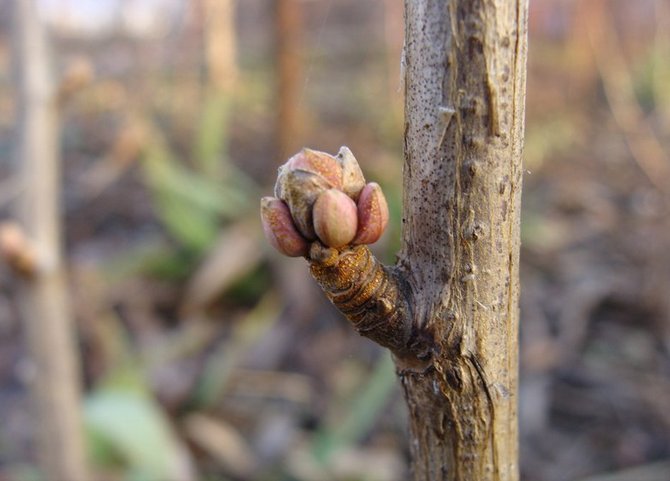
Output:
(323, 197)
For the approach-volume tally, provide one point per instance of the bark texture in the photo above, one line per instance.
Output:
(465, 66)
(369, 294)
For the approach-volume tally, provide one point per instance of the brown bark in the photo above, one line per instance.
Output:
(465, 92)
(42, 292)
(370, 295)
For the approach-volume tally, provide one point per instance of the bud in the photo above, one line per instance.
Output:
(280, 229)
(320, 163)
(300, 189)
(325, 197)
(352, 176)
(16, 249)
(373, 214)
(309, 173)
(335, 218)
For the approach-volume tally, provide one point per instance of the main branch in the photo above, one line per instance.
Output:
(464, 105)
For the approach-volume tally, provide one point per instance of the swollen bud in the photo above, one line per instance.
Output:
(373, 214)
(280, 229)
(335, 218)
(301, 180)
(299, 190)
(316, 162)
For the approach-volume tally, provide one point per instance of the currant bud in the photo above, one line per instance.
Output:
(279, 228)
(335, 218)
(373, 214)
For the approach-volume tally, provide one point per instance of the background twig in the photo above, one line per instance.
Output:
(43, 298)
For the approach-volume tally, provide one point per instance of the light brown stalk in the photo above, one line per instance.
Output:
(288, 32)
(220, 44)
(42, 293)
(465, 67)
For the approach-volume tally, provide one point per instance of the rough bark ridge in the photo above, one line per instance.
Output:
(465, 92)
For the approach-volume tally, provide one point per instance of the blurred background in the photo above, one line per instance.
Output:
(206, 355)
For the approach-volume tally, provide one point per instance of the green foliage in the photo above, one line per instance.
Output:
(651, 79)
(194, 198)
(245, 334)
(251, 287)
(549, 138)
(188, 204)
(361, 412)
(193, 203)
(127, 429)
(23, 472)
(212, 135)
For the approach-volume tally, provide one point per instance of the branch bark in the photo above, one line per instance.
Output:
(464, 106)
(372, 296)
(42, 291)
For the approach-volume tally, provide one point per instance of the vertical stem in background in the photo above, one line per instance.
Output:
(43, 298)
(220, 44)
(213, 135)
(464, 117)
(289, 73)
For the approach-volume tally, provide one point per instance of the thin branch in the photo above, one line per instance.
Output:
(43, 297)
(372, 296)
